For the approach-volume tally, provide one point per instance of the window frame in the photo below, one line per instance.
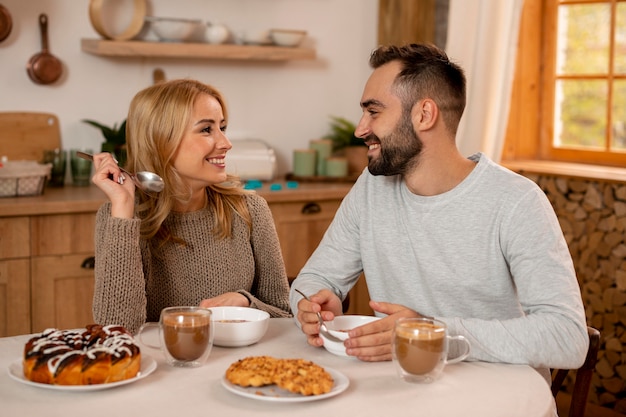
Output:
(531, 127)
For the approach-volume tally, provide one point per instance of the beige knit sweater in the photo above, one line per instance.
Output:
(135, 281)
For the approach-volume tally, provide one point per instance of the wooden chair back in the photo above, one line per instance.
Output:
(582, 382)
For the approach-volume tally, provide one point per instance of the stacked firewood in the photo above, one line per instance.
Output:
(592, 215)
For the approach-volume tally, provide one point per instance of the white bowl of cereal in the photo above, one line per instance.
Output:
(238, 326)
(340, 327)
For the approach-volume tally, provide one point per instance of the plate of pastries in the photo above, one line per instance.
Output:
(267, 378)
(93, 358)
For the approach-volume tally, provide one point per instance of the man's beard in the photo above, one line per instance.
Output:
(398, 150)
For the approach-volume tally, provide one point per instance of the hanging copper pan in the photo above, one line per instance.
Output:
(43, 67)
(6, 23)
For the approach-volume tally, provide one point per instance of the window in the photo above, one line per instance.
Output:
(578, 51)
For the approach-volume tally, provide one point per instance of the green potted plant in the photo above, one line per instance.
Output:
(114, 139)
(342, 133)
(345, 143)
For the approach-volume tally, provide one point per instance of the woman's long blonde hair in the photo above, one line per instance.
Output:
(156, 123)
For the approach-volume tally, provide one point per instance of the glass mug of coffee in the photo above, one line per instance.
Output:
(420, 348)
(185, 335)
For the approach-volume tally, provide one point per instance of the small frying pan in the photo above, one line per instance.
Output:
(6, 23)
(43, 67)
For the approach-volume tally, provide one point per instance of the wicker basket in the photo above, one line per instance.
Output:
(23, 178)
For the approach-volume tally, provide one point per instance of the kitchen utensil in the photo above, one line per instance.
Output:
(172, 29)
(255, 37)
(323, 328)
(158, 76)
(43, 67)
(58, 158)
(80, 168)
(185, 335)
(6, 23)
(217, 33)
(144, 180)
(100, 11)
(25, 135)
(339, 327)
(238, 326)
(287, 37)
(251, 159)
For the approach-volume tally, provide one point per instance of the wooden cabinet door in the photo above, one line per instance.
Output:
(61, 289)
(62, 292)
(300, 227)
(14, 276)
(63, 234)
(14, 297)
(14, 237)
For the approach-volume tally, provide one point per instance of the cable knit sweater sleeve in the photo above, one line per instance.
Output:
(120, 291)
(271, 288)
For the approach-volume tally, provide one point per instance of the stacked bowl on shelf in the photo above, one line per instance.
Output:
(168, 29)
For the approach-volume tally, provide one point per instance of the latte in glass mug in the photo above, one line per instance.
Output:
(420, 348)
(185, 335)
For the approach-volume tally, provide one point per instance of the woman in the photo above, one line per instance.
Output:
(203, 239)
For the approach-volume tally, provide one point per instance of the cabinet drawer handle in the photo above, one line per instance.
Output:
(89, 262)
(311, 208)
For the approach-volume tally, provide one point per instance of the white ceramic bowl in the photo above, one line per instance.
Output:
(258, 37)
(287, 37)
(339, 327)
(238, 326)
(171, 29)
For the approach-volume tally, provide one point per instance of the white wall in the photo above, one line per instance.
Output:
(285, 104)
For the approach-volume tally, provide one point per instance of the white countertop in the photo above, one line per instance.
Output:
(468, 389)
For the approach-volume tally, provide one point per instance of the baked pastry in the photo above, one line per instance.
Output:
(253, 371)
(295, 375)
(303, 377)
(95, 355)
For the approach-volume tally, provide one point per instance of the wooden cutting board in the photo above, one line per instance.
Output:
(25, 135)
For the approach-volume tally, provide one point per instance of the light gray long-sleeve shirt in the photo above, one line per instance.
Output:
(487, 257)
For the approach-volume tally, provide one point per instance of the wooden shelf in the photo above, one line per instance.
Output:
(194, 50)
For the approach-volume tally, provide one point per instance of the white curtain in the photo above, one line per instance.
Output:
(482, 38)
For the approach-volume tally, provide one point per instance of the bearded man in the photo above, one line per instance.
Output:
(441, 235)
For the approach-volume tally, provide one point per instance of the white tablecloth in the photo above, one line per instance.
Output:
(465, 389)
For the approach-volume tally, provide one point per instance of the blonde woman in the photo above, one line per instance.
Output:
(203, 240)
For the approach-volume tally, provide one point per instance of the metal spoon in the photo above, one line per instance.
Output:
(323, 328)
(144, 180)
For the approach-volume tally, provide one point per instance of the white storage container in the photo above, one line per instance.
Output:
(251, 159)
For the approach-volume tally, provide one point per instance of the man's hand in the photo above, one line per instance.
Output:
(327, 303)
(372, 342)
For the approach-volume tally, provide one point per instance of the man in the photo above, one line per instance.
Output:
(440, 235)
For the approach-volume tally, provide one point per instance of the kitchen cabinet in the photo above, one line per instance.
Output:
(300, 226)
(109, 48)
(44, 241)
(14, 273)
(61, 289)
(301, 223)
